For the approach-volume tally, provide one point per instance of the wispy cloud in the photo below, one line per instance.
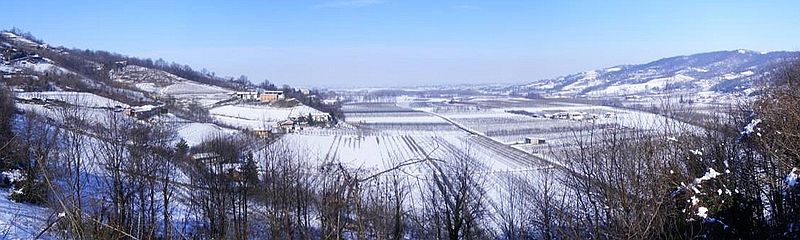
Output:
(348, 3)
(467, 7)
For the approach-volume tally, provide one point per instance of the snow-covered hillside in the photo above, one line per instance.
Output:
(723, 72)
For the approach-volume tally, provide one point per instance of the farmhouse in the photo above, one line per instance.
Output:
(246, 96)
(206, 158)
(144, 112)
(271, 96)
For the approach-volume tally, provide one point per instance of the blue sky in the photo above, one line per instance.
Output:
(352, 43)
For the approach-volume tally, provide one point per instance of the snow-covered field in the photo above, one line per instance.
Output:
(41, 67)
(654, 84)
(163, 83)
(384, 150)
(390, 134)
(206, 95)
(393, 118)
(511, 120)
(386, 136)
(373, 151)
(196, 133)
(83, 99)
(191, 88)
(248, 116)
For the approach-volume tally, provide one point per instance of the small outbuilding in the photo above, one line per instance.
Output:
(286, 126)
(145, 112)
(535, 141)
(246, 96)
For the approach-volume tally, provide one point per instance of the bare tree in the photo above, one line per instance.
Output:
(288, 190)
(531, 204)
(70, 195)
(217, 193)
(454, 201)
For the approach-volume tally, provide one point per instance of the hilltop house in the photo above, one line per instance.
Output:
(271, 96)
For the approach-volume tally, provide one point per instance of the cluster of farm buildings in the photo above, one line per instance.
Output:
(263, 97)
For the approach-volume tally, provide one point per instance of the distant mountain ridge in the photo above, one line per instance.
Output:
(724, 72)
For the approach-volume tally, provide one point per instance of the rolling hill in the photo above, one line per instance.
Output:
(723, 72)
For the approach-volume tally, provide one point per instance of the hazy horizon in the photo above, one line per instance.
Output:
(385, 43)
